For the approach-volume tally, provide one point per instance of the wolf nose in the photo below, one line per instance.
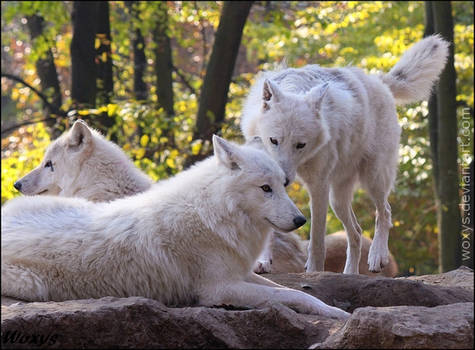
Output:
(299, 221)
(17, 185)
(286, 182)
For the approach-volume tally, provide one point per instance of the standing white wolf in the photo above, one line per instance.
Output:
(334, 127)
(192, 239)
(82, 163)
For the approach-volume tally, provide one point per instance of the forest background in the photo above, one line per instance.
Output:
(159, 78)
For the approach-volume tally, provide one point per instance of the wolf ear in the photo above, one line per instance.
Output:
(226, 153)
(316, 95)
(270, 94)
(80, 135)
(256, 142)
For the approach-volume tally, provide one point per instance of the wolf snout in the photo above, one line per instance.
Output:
(299, 221)
(17, 185)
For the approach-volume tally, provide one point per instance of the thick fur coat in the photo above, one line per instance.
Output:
(82, 163)
(192, 239)
(336, 127)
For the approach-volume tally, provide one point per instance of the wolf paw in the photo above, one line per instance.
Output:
(263, 266)
(377, 258)
(351, 269)
(311, 266)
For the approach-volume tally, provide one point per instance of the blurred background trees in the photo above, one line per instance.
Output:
(159, 78)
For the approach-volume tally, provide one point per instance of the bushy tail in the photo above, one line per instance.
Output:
(412, 78)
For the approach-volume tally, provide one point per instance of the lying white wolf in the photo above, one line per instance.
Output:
(191, 239)
(334, 127)
(82, 163)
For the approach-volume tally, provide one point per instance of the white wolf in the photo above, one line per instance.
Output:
(191, 239)
(334, 127)
(81, 163)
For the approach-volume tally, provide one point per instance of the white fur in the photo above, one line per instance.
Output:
(86, 165)
(191, 239)
(348, 125)
(105, 174)
(413, 77)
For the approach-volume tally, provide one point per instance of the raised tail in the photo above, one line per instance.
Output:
(412, 78)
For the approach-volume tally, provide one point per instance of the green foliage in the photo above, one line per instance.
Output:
(21, 152)
(371, 35)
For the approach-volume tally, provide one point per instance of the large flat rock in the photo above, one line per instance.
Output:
(461, 277)
(144, 323)
(434, 311)
(350, 292)
(406, 327)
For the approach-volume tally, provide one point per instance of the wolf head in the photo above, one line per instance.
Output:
(291, 125)
(60, 163)
(256, 185)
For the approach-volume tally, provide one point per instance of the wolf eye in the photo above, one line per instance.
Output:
(300, 145)
(274, 141)
(49, 164)
(266, 188)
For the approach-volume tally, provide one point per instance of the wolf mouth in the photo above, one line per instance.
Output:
(280, 229)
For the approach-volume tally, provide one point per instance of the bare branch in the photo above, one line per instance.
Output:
(184, 80)
(27, 122)
(51, 107)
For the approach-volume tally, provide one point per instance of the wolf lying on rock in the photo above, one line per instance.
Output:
(182, 242)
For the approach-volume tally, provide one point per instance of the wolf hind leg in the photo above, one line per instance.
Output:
(378, 182)
(21, 283)
(341, 196)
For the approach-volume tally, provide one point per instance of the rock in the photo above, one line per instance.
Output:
(144, 323)
(461, 277)
(387, 313)
(350, 292)
(406, 327)
(6, 301)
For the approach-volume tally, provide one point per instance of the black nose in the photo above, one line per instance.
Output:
(286, 182)
(299, 221)
(17, 185)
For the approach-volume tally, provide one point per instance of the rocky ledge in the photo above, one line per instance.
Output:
(433, 311)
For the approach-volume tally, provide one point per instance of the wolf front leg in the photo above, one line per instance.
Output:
(264, 262)
(252, 295)
(21, 283)
(319, 195)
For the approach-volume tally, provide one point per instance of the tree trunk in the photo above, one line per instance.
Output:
(83, 54)
(448, 218)
(214, 92)
(45, 67)
(46, 70)
(140, 61)
(432, 106)
(163, 60)
(105, 83)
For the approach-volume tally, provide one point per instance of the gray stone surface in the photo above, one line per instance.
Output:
(144, 323)
(406, 327)
(350, 292)
(434, 311)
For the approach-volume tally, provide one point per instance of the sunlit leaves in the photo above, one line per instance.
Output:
(371, 35)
